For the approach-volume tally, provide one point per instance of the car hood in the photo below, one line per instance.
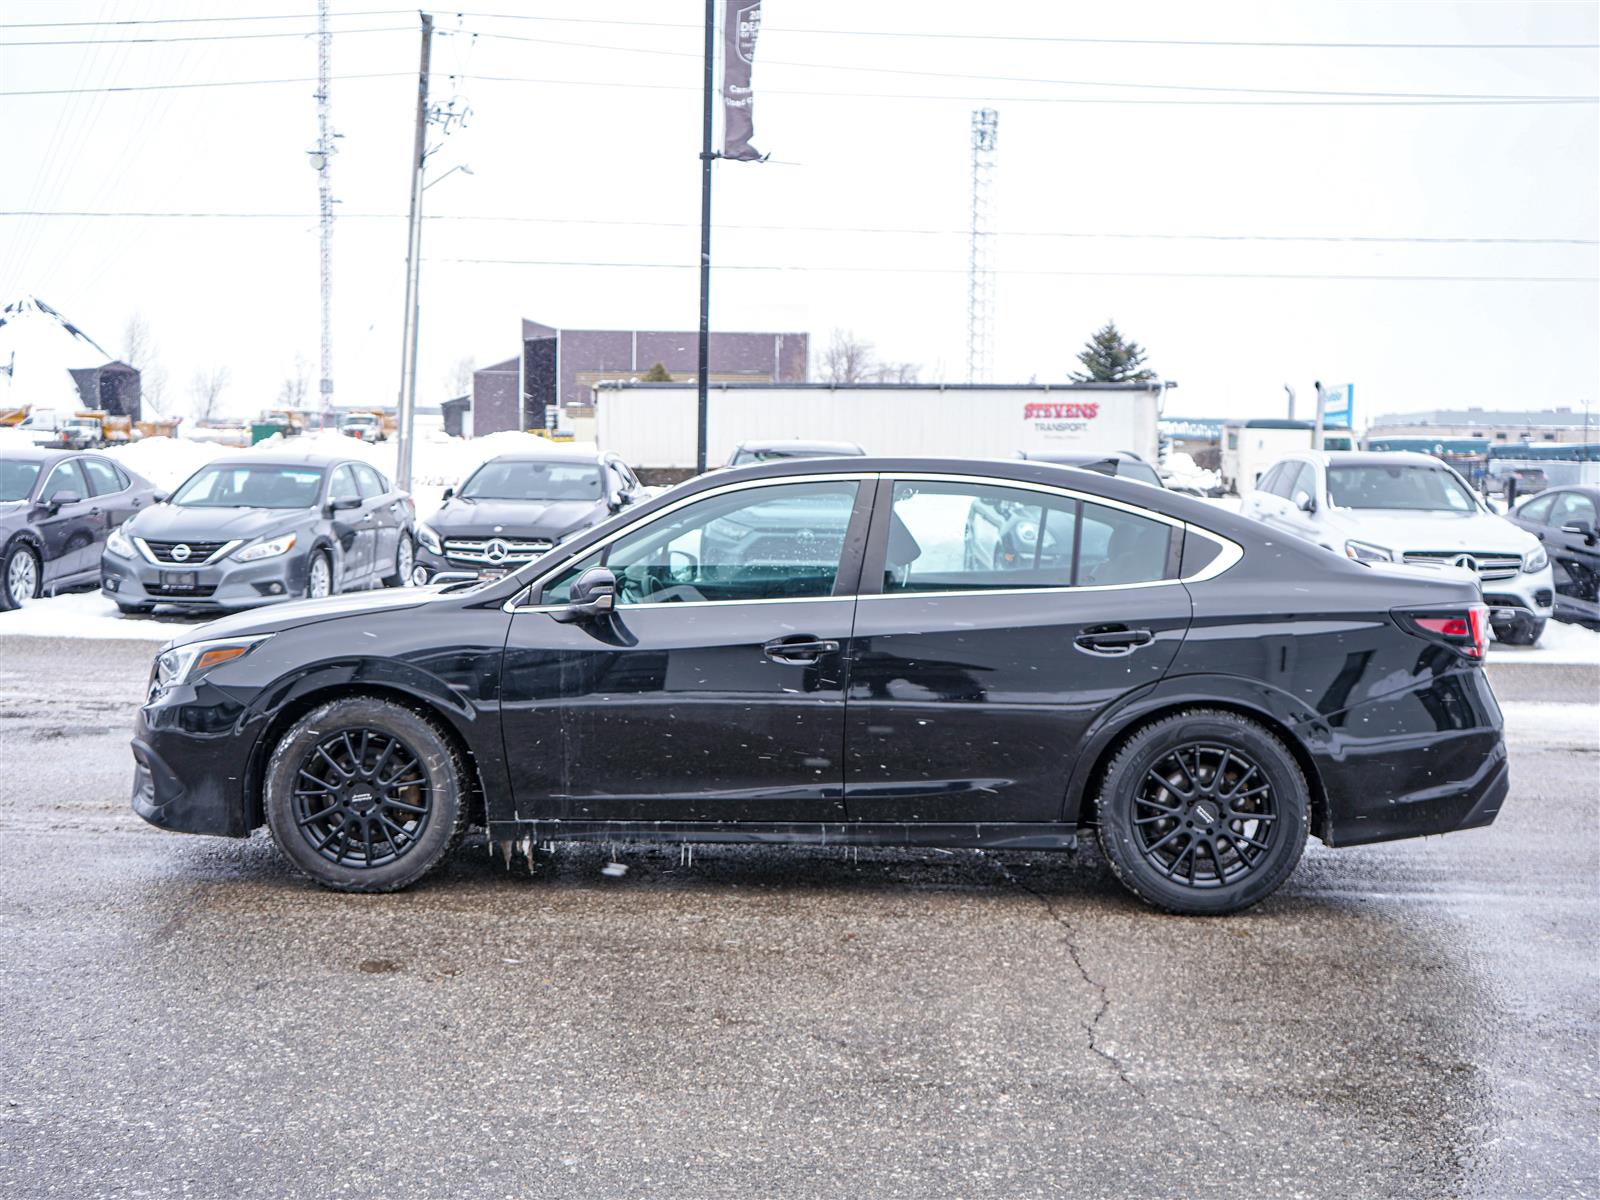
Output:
(280, 617)
(175, 523)
(1433, 530)
(515, 518)
(13, 512)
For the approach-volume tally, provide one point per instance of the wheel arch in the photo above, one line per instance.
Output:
(1115, 731)
(309, 698)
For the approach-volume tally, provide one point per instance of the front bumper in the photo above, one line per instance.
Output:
(187, 773)
(1525, 598)
(221, 586)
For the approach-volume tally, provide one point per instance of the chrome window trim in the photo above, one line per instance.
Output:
(1229, 552)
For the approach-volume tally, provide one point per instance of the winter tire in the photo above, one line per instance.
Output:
(319, 576)
(405, 557)
(365, 795)
(20, 572)
(1203, 812)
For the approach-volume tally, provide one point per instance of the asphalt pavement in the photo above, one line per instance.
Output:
(185, 1017)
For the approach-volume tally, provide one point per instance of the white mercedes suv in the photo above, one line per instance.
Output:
(1410, 508)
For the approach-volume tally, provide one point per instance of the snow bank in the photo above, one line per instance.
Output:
(1561, 643)
(87, 615)
(166, 462)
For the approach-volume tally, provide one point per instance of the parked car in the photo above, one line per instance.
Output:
(1567, 521)
(1124, 464)
(57, 508)
(261, 529)
(515, 507)
(1399, 506)
(746, 453)
(806, 652)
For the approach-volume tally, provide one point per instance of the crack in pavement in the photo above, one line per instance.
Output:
(1091, 1026)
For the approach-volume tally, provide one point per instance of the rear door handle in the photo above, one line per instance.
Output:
(1113, 639)
(799, 650)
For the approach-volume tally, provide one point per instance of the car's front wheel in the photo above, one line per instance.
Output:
(405, 558)
(365, 795)
(1203, 812)
(19, 576)
(319, 576)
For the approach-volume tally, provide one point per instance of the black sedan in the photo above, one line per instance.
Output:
(57, 508)
(1567, 521)
(261, 529)
(516, 506)
(806, 652)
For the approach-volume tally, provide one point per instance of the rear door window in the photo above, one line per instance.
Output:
(103, 477)
(371, 483)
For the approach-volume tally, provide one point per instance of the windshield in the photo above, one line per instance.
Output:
(534, 481)
(1422, 489)
(17, 479)
(243, 486)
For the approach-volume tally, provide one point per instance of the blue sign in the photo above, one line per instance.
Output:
(1339, 405)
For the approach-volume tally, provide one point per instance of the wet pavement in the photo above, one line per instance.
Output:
(184, 1017)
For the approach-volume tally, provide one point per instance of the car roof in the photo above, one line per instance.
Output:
(1069, 458)
(1365, 458)
(282, 458)
(850, 449)
(38, 454)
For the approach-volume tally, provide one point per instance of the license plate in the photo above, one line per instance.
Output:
(491, 572)
(179, 581)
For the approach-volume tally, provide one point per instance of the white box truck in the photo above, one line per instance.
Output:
(653, 425)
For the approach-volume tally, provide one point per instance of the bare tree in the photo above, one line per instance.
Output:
(847, 358)
(295, 385)
(139, 352)
(206, 388)
(459, 377)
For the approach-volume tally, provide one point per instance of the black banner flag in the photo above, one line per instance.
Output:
(740, 27)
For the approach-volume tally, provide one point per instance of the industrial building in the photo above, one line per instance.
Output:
(1489, 424)
(557, 369)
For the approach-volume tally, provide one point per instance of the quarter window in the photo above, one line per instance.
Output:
(947, 536)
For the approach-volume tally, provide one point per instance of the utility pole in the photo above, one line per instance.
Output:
(408, 353)
(702, 375)
(980, 255)
(322, 159)
(1322, 404)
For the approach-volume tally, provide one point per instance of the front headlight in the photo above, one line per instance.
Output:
(1535, 560)
(272, 548)
(1366, 552)
(120, 544)
(183, 664)
(428, 539)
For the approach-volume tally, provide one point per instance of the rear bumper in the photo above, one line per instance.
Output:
(1429, 760)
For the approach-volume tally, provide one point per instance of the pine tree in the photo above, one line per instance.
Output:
(656, 374)
(1107, 358)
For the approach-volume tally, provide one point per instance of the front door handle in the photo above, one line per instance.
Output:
(1113, 639)
(799, 649)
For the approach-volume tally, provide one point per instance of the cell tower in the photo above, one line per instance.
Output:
(322, 159)
(980, 258)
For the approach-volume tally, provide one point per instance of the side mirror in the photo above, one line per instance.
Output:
(1305, 502)
(594, 594)
(160, 497)
(60, 499)
(448, 492)
(1582, 528)
(344, 503)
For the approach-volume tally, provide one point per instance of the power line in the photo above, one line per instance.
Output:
(1487, 101)
(379, 12)
(209, 37)
(865, 229)
(967, 75)
(870, 270)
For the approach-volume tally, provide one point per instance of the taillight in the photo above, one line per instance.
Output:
(1464, 630)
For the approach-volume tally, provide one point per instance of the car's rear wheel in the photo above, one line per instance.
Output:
(319, 576)
(1203, 812)
(365, 795)
(405, 558)
(19, 577)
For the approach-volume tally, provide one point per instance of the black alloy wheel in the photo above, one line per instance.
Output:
(365, 795)
(1203, 812)
(361, 798)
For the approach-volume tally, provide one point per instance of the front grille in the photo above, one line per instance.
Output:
(495, 552)
(194, 593)
(194, 554)
(1491, 564)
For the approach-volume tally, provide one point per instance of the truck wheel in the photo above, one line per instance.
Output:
(1203, 812)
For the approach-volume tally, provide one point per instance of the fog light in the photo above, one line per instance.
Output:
(112, 585)
(419, 576)
(275, 589)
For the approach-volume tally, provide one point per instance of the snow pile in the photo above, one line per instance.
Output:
(166, 462)
(89, 615)
(1560, 643)
(14, 439)
(1180, 468)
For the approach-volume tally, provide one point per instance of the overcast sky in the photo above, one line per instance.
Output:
(588, 145)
